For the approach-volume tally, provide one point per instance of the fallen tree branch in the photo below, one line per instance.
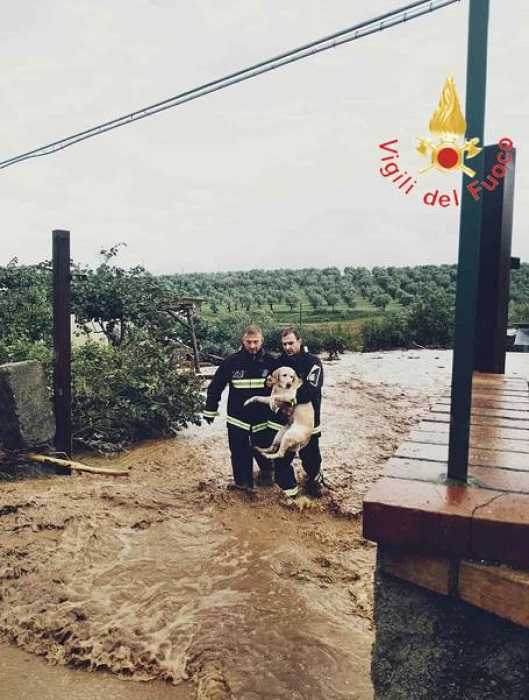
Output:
(76, 465)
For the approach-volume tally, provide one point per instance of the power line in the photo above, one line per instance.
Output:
(358, 31)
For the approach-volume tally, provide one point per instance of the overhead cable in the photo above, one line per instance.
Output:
(358, 31)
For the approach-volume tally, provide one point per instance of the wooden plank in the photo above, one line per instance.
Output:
(506, 386)
(504, 480)
(430, 518)
(500, 479)
(503, 383)
(415, 469)
(516, 419)
(477, 457)
(509, 389)
(500, 529)
(428, 572)
(514, 390)
(498, 379)
(495, 421)
(493, 412)
(477, 440)
(486, 401)
(500, 590)
(499, 431)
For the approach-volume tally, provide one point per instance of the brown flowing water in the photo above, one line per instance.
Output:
(167, 580)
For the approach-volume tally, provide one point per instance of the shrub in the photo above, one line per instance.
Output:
(131, 393)
(431, 320)
(22, 349)
(386, 332)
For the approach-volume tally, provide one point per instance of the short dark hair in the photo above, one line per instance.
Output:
(252, 329)
(291, 329)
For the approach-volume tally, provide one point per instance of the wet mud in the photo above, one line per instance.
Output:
(167, 578)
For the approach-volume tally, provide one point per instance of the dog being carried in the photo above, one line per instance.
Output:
(297, 433)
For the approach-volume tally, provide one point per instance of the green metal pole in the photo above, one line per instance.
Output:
(469, 247)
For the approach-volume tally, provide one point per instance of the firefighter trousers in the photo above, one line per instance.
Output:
(310, 461)
(242, 443)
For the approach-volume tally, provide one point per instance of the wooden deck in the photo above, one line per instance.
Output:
(413, 507)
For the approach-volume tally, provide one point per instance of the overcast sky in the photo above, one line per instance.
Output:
(278, 171)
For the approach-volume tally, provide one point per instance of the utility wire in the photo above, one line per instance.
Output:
(377, 24)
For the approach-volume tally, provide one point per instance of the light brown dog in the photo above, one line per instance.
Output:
(297, 432)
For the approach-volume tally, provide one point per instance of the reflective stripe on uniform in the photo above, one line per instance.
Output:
(210, 414)
(317, 430)
(259, 427)
(248, 383)
(319, 477)
(238, 423)
(291, 493)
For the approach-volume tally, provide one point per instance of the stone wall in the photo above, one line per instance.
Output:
(26, 417)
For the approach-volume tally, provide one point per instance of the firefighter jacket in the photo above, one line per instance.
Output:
(246, 374)
(309, 368)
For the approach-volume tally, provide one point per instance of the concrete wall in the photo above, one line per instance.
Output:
(433, 647)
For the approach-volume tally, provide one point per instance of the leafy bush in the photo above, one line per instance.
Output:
(25, 303)
(21, 349)
(114, 300)
(332, 338)
(428, 322)
(386, 332)
(519, 313)
(131, 393)
(431, 319)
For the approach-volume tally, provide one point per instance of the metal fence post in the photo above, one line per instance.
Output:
(62, 344)
(469, 247)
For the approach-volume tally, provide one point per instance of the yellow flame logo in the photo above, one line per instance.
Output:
(448, 122)
(448, 125)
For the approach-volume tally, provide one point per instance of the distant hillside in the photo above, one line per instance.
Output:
(328, 292)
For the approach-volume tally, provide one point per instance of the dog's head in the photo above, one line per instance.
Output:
(285, 377)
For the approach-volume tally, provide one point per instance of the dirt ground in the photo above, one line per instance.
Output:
(165, 575)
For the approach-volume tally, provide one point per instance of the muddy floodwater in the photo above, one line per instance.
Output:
(235, 598)
(164, 584)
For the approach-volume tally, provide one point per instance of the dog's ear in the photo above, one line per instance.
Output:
(275, 376)
(297, 382)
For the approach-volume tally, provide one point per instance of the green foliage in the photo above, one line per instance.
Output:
(124, 391)
(381, 301)
(386, 332)
(333, 338)
(25, 303)
(21, 349)
(519, 313)
(114, 300)
(134, 392)
(428, 322)
(519, 287)
(431, 320)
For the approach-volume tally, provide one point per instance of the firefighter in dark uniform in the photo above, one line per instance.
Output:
(245, 371)
(309, 368)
